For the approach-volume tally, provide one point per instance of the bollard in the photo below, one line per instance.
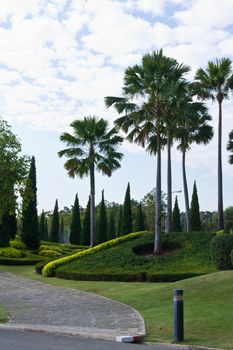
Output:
(178, 315)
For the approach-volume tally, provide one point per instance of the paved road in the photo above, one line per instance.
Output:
(22, 340)
(36, 305)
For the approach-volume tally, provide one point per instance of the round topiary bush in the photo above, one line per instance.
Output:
(47, 247)
(50, 254)
(11, 253)
(220, 248)
(17, 245)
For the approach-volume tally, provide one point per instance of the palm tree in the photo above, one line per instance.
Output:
(152, 82)
(91, 147)
(230, 146)
(215, 83)
(193, 128)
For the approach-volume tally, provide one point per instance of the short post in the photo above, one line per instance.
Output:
(178, 315)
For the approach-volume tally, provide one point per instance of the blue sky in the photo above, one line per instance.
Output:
(59, 59)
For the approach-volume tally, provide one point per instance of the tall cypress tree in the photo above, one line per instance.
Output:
(119, 222)
(75, 227)
(42, 226)
(4, 230)
(127, 222)
(102, 222)
(85, 236)
(195, 219)
(140, 219)
(176, 223)
(30, 225)
(54, 232)
(46, 231)
(111, 226)
(61, 231)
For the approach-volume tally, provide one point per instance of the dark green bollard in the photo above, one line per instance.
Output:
(178, 315)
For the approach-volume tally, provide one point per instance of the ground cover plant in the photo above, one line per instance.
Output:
(184, 255)
(3, 315)
(155, 303)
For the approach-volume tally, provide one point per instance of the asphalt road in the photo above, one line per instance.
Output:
(26, 340)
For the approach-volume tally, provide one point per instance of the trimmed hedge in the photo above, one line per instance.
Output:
(17, 245)
(64, 245)
(50, 253)
(50, 268)
(10, 253)
(221, 248)
(19, 262)
(40, 265)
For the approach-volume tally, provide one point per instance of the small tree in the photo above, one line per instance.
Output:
(195, 219)
(42, 226)
(85, 237)
(30, 225)
(111, 226)
(46, 232)
(140, 219)
(119, 222)
(102, 222)
(54, 232)
(75, 227)
(176, 224)
(127, 222)
(61, 231)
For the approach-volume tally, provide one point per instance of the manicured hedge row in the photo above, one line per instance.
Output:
(18, 262)
(49, 269)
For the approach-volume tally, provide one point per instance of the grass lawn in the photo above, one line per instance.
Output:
(208, 304)
(3, 315)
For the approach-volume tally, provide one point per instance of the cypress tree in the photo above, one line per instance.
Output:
(12, 225)
(111, 226)
(4, 230)
(140, 219)
(102, 222)
(42, 226)
(75, 227)
(119, 222)
(46, 231)
(127, 222)
(61, 231)
(54, 232)
(176, 223)
(85, 236)
(195, 219)
(30, 225)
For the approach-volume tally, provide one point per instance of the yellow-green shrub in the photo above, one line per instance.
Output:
(11, 253)
(49, 269)
(17, 245)
(50, 253)
(50, 247)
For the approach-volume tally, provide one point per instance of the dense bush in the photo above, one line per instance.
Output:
(50, 253)
(184, 255)
(50, 247)
(17, 245)
(39, 266)
(10, 253)
(19, 261)
(221, 247)
(49, 269)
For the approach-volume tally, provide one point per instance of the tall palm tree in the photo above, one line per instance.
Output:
(91, 147)
(230, 146)
(193, 128)
(215, 83)
(146, 93)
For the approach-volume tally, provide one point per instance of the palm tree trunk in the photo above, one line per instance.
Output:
(186, 196)
(169, 186)
(157, 243)
(92, 202)
(220, 194)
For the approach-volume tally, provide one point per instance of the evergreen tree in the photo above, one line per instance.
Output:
(111, 226)
(54, 232)
(176, 223)
(61, 231)
(127, 223)
(102, 222)
(42, 226)
(85, 237)
(140, 219)
(4, 230)
(12, 225)
(119, 223)
(75, 227)
(46, 231)
(195, 219)
(30, 225)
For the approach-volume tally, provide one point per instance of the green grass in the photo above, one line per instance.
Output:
(190, 255)
(208, 304)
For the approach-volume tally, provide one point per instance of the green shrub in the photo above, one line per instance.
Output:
(221, 247)
(50, 253)
(49, 269)
(39, 266)
(64, 245)
(17, 245)
(19, 261)
(50, 247)
(10, 253)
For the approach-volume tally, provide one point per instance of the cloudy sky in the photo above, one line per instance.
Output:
(60, 58)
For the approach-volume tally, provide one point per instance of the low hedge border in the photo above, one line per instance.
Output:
(124, 277)
(50, 268)
(18, 262)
